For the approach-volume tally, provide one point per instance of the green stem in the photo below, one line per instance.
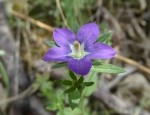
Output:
(81, 105)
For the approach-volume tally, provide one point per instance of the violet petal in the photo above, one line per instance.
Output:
(88, 33)
(100, 51)
(81, 67)
(63, 37)
(56, 54)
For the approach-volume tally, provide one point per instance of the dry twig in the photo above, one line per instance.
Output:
(61, 12)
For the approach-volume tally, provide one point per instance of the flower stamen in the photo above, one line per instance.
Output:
(77, 50)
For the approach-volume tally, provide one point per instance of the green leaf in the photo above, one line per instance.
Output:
(72, 75)
(4, 75)
(104, 37)
(92, 77)
(50, 43)
(74, 98)
(74, 95)
(80, 80)
(40, 79)
(64, 82)
(72, 104)
(59, 65)
(81, 87)
(108, 42)
(2, 52)
(68, 111)
(69, 90)
(74, 26)
(52, 107)
(88, 83)
(107, 68)
(96, 62)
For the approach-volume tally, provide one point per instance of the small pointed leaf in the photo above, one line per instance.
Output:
(81, 87)
(74, 98)
(50, 43)
(72, 75)
(74, 95)
(107, 68)
(64, 82)
(88, 83)
(96, 62)
(69, 90)
(74, 26)
(72, 104)
(80, 80)
(104, 37)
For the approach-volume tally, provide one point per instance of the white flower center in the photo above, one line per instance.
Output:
(77, 50)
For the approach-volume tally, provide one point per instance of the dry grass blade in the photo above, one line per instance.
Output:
(134, 63)
(33, 21)
(61, 12)
(30, 90)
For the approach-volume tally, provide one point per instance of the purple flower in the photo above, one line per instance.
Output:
(77, 50)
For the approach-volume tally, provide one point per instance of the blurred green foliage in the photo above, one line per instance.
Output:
(3, 72)
(55, 100)
(47, 11)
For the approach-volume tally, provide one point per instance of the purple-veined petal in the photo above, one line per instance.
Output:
(56, 54)
(88, 33)
(81, 67)
(100, 51)
(63, 37)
